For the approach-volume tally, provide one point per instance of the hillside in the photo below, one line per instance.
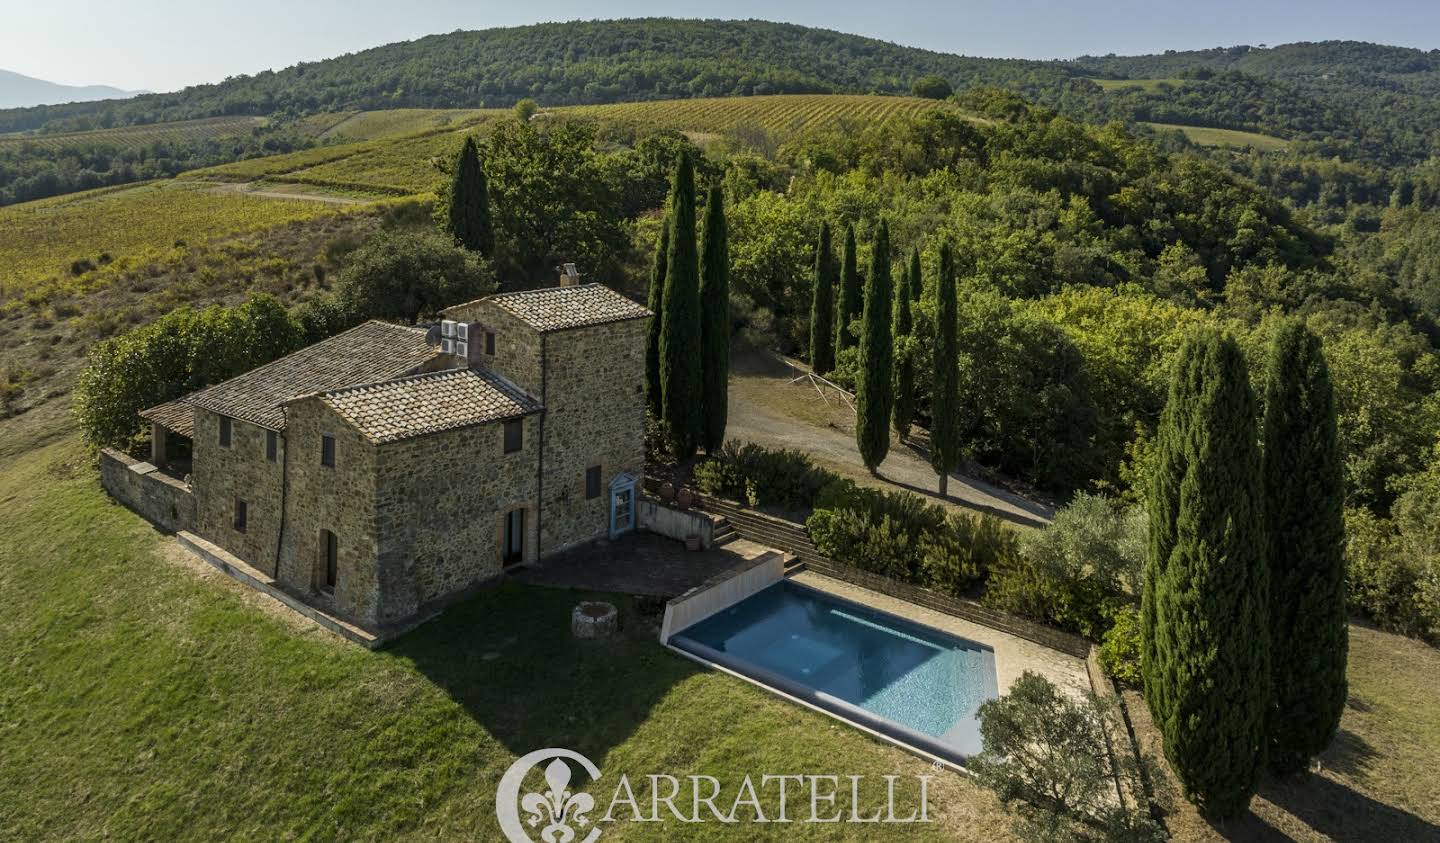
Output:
(1377, 100)
(20, 91)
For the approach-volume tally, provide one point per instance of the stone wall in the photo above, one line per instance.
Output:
(594, 415)
(339, 499)
(221, 475)
(158, 498)
(441, 507)
(674, 523)
(517, 345)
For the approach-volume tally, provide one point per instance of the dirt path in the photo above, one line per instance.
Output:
(249, 189)
(767, 410)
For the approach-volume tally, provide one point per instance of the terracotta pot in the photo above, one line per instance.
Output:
(685, 497)
(667, 491)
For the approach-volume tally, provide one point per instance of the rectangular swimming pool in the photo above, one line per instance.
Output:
(907, 681)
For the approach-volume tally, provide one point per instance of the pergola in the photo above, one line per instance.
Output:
(177, 418)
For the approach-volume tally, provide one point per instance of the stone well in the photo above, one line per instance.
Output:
(594, 619)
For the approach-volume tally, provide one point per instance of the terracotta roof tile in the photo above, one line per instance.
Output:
(428, 403)
(176, 416)
(558, 308)
(374, 351)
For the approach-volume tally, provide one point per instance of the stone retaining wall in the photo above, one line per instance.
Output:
(158, 498)
(674, 523)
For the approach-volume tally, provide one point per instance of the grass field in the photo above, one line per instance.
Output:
(151, 698)
(1225, 137)
(132, 137)
(1142, 84)
(43, 238)
(1377, 779)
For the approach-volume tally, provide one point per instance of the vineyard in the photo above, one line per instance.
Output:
(1224, 137)
(781, 115)
(128, 223)
(44, 239)
(405, 165)
(398, 122)
(136, 137)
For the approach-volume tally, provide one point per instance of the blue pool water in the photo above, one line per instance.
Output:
(915, 683)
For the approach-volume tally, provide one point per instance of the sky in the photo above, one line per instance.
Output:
(163, 45)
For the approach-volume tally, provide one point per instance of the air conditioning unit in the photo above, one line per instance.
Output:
(462, 331)
(462, 349)
(447, 344)
(447, 328)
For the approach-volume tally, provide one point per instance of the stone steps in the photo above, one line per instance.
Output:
(724, 533)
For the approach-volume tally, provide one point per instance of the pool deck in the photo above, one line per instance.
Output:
(1013, 655)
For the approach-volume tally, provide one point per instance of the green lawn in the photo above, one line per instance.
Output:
(146, 697)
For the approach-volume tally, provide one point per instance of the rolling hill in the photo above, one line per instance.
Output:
(1363, 99)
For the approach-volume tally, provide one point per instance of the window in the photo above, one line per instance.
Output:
(490, 342)
(327, 450)
(329, 562)
(514, 436)
(592, 482)
(242, 515)
(272, 445)
(225, 431)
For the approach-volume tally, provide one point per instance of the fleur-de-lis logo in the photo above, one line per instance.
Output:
(558, 814)
(557, 807)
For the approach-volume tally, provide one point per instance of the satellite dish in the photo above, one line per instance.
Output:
(432, 336)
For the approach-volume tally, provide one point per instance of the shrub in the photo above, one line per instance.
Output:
(1120, 649)
(1387, 582)
(762, 476)
(1077, 604)
(851, 537)
(1080, 572)
(1092, 538)
(1047, 754)
(926, 544)
(172, 356)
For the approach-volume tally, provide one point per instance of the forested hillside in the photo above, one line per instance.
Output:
(1380, 98)
(1338, 122)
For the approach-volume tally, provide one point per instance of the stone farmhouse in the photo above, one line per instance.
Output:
(381, 473)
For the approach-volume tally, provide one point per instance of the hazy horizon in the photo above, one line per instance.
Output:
(164, 45)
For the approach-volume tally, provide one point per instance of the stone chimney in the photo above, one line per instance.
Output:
(568, 276)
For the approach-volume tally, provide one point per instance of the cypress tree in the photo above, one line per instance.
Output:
(851, 294)
(657, 307)
(680, 367)
(917, 281)
(1205, 654)
(904, 410)
(467, 208)
(945, 385)
(822, 306)
(1304, 492)
(715, 321)
(873, 395)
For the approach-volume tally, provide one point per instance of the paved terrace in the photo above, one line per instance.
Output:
(638, 563)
